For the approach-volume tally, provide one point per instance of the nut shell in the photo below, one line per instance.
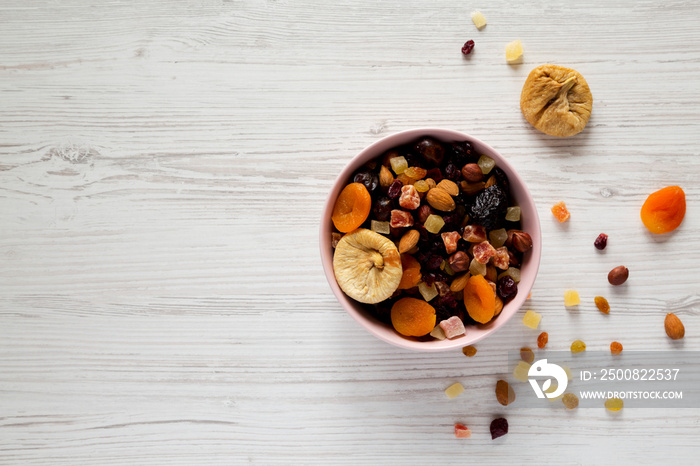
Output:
(556, 100)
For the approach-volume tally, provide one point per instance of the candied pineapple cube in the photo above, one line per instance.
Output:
(478, 19)
(498, 237)
(571, 298)
(521, 371)
(398, 164)
(486, 164)
(532, 319)
(477, 268)
(428, 292)
(568, 372)
(434, 223)
(512, 272)
(513, 214)
(438, 333)
(514, 50)
(380, 227)
(454, 390)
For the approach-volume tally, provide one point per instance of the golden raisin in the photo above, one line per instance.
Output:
(542, 340)
(578, 346)
(602, 304)
(570, 400)
(469, 351)
(527, 355)
(615, 347)
(504, 393)
(614, 404)
(560, 212)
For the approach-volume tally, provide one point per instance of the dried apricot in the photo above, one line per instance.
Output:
(411, 272)
(413, 317)
(479, 299)
(663, 211)
(561, 212)
(352, 207)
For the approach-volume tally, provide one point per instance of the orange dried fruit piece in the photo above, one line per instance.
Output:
(411, 272)
(413, 317)
(663, 211)
(469, 351)
(560, 212)
(616, 347)
(602, 304)
(542, 340)
(479, 299)
(351, 208)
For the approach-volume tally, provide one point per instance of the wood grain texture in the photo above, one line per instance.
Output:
(162, 173)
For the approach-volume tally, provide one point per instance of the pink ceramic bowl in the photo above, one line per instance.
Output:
(529, 220)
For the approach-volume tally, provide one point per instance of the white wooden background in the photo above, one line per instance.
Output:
(162, 171)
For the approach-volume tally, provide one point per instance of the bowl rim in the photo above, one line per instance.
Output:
(372, 151)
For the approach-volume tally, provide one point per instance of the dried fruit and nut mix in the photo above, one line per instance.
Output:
(432, 238)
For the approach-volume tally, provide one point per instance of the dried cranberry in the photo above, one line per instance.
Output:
(435, 174)
(506, 288)
(601, 241)
(382, 209)
(452, 172)
(367, 178)
(394, 189)
(433, 262)
(499, 428)
(468, 47)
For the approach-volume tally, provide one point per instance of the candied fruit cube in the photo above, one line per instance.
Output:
(398, 164)
(477, 268)
(512, 272)
(409, 197)
(501, 259)
(438, 333)
(560, 212)
(577, 346)
(478, 19)
(453, 327)
(514, 50)
(434, 224)
(498, 238)
(614, 404)
(513, 214)
(483, 252)
(571, 298)
(450, 239)
(401, 218)
(521, 371)
(532, 319)
(570, 400)
(428, 292)
(469, 351)
(462, 431)
(454, 390)
(474, 234)
(381, 227)
(486, 164)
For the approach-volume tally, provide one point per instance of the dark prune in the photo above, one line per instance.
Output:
(435, 174)
(489, 208)
(415, 160)
(394, 189)
(452, 221)
(382, 209)
(367, 178)
(432, 276)
(506, 288)
(461, 153)
(432, 150)
(433, 262)
(499, 428)
(501, 180)
(452, 172)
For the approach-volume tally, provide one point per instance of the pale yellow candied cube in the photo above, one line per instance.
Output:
(428, 292)
(521, 371)
(571, 298)
(398, 164)
(454, 390)
(514, 51)
(532, 319)
(438, 333)
(478, 19)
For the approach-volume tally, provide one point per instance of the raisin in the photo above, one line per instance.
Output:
(602, 304)
(433, 262)
(452, 172)
(601, 241)
(461, 153)
(578, 346)
(570, 400)
(469, 351)
(367, 178)
(468, 47)
(382, 209)
(504, 393)
(506, 288)
(489, 208)
(527, 355)
(615, 347)
(394, 189)
(542, 340)
(499, 428)
(435, 174)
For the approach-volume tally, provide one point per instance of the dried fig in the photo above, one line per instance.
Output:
(556, 100)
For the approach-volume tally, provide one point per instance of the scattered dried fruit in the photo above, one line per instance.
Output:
(560, 212)
(462, 431)
(527, 355)
(434, 223)
(570, 400)
(556, 100)
(454, 390)
(571, 298)
(514, 50)
(380, 227)
(601, 241)
(602, 304)
(400, 219)
(453, 327)
(615, 347)
(478, 19)
(664, 210)
(577, 346)
(468, 47)
(469, 351)
(674, 327)
(521, 371)
(499, 428)
(542, 340)
(413, 317)
(532, 319)
(504, 393)
(614, 404)
(618, 275)
(351, 208)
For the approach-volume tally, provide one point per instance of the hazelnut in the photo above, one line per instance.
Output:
(519, 240)
(513, 260)
(424, 212)
(472, 173)
(618, 275)
(459, 261)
